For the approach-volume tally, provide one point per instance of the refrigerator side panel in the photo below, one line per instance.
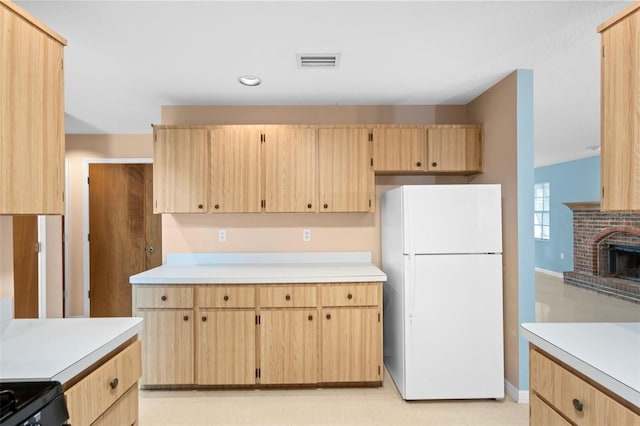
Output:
(393, 289)
(454, 218)
(455, 332)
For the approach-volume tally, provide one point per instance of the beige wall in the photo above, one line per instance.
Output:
(283, 232)
(496, 109)
(79, 149)
(6, 256)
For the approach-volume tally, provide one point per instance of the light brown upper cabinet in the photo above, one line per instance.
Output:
(620, 109)
(181, 170)
(399, 149)
(31, 115)
(235, 170)
(345, 175)
(289, 169)
(454, 149)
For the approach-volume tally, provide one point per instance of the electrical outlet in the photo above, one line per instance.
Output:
(222, 235)
(306, 235)
(561, 256)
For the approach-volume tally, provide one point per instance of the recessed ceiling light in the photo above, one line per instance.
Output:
(249, 80)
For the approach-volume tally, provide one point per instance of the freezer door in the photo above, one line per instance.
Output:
(452, 219)
(454, 346)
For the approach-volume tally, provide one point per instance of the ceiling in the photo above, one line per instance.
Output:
(124, 60)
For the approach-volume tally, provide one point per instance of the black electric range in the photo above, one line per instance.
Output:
(32, 403)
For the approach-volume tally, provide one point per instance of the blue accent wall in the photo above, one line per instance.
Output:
(526, 242)
(572, 181)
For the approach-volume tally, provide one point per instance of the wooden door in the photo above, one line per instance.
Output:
(181, 170)
(346, 180)
(25, 266)
(235, 170)
(124, 235)
(290, 169)
(399, 149)
(167, 347)
(226, 349)
(351, 345)
(288, 346)
(454, 149)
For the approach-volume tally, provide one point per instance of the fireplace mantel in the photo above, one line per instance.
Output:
(584, 206)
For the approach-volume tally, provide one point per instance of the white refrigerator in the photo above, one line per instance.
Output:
(442, 253)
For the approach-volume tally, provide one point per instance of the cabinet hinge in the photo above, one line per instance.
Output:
(603, 51)
(38, 247)
(263, 138)
(263, 203)
(87, 181)
(257, 373)
(88, 237)
(369, 202)
(372, 162)
(379, 370)
(603, 192)
(155, 137)
(371, 137)
(378, 316)
(63, 196)
(88, 294)
(257, 319)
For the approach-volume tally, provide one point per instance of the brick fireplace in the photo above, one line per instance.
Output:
(606, 251)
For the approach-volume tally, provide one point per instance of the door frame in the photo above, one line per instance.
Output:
(86, 273)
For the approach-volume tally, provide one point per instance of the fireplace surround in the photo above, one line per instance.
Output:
(606, 248)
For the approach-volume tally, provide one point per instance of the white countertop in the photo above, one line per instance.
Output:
(608, 353)
(261, 268)
(59, 349)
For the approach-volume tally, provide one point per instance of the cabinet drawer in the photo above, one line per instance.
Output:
(122, 413)
(164, 297)
(564, 390)
(93, 395)
(237, 296)
(350, 295)
(542, 414)
(299, 296)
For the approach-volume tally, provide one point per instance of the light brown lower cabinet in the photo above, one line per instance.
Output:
(263, 334)
(109, 394)
(561, 396)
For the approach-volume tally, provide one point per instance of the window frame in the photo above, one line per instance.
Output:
(542, 211)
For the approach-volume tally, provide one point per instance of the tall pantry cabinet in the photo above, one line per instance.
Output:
(620, 110)
(31, 115)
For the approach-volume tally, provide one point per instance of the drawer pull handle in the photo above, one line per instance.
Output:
(114, 383)
(200, 206)
(310, 317)
(204, 319)
(326, 206)
(287, 297)
(186, 317)
(226, 297)
(418, 164)
(309, 205)
(217, 206)
(328, 316)
(349, 296)
(434, 164)
(163, 298)
(577, 404)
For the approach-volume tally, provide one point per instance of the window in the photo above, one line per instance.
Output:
(541, 211)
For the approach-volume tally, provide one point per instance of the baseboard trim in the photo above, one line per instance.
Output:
(548, 272)
(520, 396)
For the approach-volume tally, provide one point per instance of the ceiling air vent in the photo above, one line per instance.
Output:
(318, 60)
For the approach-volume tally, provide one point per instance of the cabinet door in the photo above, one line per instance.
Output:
(620, 153)
(351, 345)
(288, 346)
(454, 149)
(180, 170)
(346, 180)
(541, 414)
(399, 149)
(290, 169)
(235, 170)
(31, 117)
(167, 356)
(225, 354)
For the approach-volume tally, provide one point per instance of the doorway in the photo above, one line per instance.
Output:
(25, 266)
(125, 237)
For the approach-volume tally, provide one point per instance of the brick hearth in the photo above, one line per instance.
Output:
(593, 232)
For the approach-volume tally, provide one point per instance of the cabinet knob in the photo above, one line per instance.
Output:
(418, 164)
(349, 296)
(434, 164)
(287, 297)
(204, 319)
(310, 317)
(328, 316)
(217, 206)
(326, 206)
(149, 249)
(577, 404)
(200, 206)
(309, 206)
(163, 298)
(114, 383)
(186, 317)
(226, 297)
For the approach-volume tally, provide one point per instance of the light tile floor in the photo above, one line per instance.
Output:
(555, 302)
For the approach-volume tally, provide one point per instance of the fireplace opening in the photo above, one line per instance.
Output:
(624, 262)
